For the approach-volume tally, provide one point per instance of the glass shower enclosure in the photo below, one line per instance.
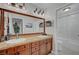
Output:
(67, 28)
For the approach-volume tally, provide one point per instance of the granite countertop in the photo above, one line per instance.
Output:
(8, 44)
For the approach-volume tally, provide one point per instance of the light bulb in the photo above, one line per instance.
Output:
(66, 9)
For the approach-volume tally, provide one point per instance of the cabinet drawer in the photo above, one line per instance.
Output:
(34, 44)
(2, 52)
(49, 47)
(25, 52)
(35, 49)
(42, 50)
(43, 42)
(35, 53)
(20, 48)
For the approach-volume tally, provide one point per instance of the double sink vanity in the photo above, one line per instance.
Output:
(32, 34)
(33, 45)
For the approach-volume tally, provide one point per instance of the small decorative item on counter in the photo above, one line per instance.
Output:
(16, 29)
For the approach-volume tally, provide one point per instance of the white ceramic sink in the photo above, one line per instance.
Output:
(16, 40)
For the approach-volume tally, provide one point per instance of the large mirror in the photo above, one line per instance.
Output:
(26, 24)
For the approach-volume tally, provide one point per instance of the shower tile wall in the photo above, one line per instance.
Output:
(68, 31)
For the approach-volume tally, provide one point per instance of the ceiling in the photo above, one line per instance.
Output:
(50, 7)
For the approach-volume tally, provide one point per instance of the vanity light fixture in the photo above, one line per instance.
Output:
(35, 10)
(39, 11)
(13, 4)
(8, 3)
(42, 12)
(66, 9)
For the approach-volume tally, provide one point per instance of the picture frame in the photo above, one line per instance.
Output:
(19, 23)
(29, 25)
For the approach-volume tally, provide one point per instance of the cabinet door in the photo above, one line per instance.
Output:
(28, 49)
(24, 49)
(20, 48)
(35, 44)
(2, 52)
(42, 47)
(35, 48)
(10, 51)
(49, 45)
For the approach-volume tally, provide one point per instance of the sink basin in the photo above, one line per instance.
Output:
(16, 40)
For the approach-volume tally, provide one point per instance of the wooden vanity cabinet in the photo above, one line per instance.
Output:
(49, 45)
(35, 48)
(27, 50)
(45, 46)
(42, 47)
(11, 51)
(23, 50)
(2, 52)
(15, 50)
(35, 53)
(18, 50)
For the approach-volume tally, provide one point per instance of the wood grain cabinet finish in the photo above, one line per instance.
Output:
(35, 48)
(20, 48)
(49, 46)
(23, 50)
(35, 53)
(27, 50)
(2, 52)
(41, 47)
(10, 51)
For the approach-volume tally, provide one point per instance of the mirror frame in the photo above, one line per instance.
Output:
(29, 15)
